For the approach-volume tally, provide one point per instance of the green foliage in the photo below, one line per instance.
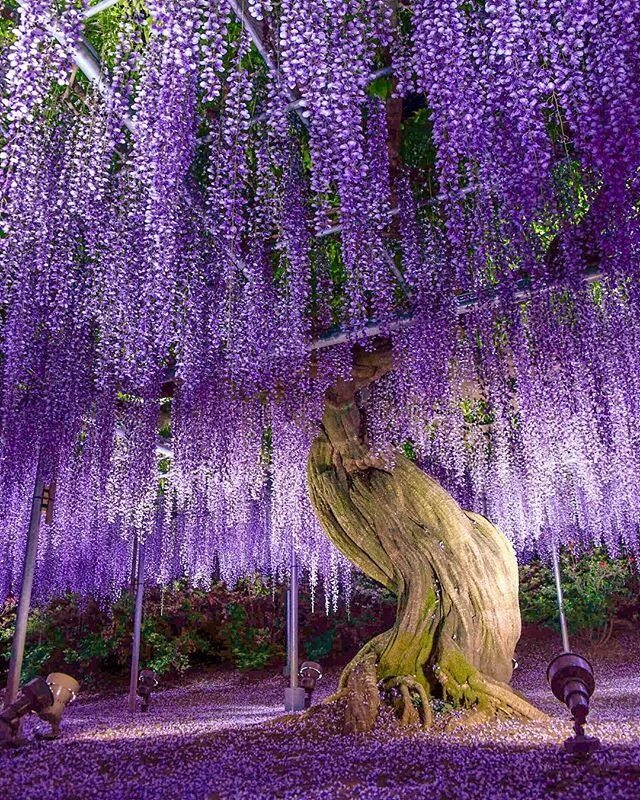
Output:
(326, 260)
(318, 647)
(182, 628)
(417, 149)
(244, 628)
(573, 195)
(8, 17)
(7, 625)
(409, 450)
(476, 411)
(164, 654)
(574, 201)
(595, 590)
(36, 660)
(335, 637)
(103, 29)
(251, 647)
(93, 647)
(381, 87)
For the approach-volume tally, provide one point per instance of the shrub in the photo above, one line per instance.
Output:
(596, 589)
(244, 628)
(251, 648)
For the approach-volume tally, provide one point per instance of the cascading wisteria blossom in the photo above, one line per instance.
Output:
(539, 429)
(347, 134)
(167, 275)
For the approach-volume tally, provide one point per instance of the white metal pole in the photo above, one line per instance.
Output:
(134, 563)
(288, 618)
(137, 628)
(293, 622)
(24, 603)
(556, 574)
(98, 8)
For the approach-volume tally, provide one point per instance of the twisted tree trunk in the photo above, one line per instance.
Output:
(454, 574)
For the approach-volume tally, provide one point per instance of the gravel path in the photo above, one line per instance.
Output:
(204, 741)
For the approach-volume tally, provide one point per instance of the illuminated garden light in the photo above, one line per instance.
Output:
(147, 683)
(47, 698)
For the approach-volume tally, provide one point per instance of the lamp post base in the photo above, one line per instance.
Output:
(581, 746)
(294, 699)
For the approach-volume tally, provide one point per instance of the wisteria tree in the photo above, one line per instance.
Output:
(374, 259)
(454, 574)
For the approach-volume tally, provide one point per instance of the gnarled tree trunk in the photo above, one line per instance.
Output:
(454, 574)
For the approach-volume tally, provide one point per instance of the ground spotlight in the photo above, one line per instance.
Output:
(47, 698)
(64, 690)
(310, 674)
(34, 696)
(571, 679)
(147, 682)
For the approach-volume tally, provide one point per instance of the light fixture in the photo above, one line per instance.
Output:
(571, 679)
(310, 674)
(34, 696)
(147, 682)
(47, 698)
(64, 690)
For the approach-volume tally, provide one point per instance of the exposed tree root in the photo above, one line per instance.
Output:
(413, 704)
(467, 687)
(363, 692)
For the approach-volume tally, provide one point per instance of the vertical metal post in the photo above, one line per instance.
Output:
(288, 639)
(294, 696)
(293, 622)
(137, 627)
(134, 563)
(556, 575)
(24, 603)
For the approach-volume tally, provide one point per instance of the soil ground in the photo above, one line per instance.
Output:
(208, 740)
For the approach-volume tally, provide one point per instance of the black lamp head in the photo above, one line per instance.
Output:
(34, 696)
(147, 682)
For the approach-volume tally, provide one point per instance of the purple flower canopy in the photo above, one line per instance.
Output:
(178, 237)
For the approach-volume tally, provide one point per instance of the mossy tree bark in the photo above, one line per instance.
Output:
(454, 574)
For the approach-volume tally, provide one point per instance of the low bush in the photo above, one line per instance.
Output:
(596, 590)
(244, 628)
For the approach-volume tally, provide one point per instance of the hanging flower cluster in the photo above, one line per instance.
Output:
(179, 240)
(538, 427)
(525, 96)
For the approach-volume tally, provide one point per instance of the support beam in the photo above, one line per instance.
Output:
(89, 64)
(293, 622)
(137, 630)
(134, 565)
(251, 27)
(287, 667)
(465, 305)
(371, 331)
(24, 603)
(98, 8)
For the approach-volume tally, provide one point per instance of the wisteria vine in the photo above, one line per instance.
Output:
(178, 241)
